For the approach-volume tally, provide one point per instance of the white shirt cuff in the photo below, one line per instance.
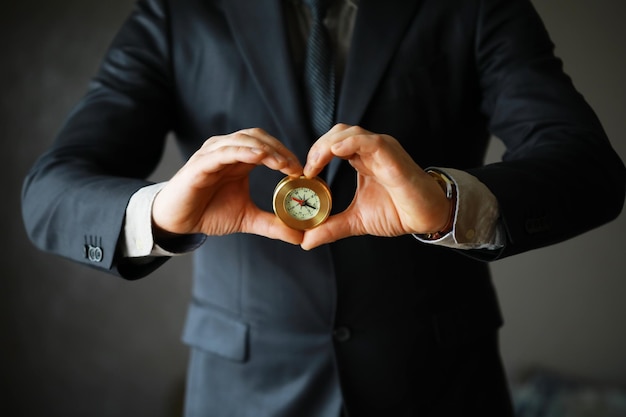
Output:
(476, 222)
(137, 238)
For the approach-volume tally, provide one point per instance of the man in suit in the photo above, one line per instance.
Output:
(386, 309)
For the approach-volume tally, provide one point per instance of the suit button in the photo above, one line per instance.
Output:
(94, 253)
(342, 334)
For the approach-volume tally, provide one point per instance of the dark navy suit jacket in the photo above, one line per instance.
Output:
(384, 325)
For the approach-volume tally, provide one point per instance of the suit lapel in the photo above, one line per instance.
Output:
(379, 28)
(264, 45)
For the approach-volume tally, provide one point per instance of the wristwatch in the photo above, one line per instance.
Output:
(449, 188)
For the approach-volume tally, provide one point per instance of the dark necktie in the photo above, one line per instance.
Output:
(319, 71)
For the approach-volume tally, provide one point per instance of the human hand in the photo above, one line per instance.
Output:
(210, 193)
(394, 196)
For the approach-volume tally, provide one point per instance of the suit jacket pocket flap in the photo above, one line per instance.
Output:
(216, 332)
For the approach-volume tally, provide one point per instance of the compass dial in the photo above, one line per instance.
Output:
(302, 203)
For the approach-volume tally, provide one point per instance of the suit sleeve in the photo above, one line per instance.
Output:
(559, 176)
(75, 196)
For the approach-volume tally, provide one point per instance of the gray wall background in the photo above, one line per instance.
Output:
(75, 342)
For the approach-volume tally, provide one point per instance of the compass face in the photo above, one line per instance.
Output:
(302, 203)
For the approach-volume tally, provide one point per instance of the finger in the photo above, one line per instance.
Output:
(320, 154)
(202, 167)
(277, 156)
(361, 143)
(273, 143)
(245, 136)
(378, 155)
(267, 224)
(336, 227)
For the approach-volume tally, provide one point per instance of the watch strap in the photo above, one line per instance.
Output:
(449, 188)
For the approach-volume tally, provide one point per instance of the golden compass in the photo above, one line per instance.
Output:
(302, 203)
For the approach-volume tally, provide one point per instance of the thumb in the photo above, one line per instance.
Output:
(335, 228)
(266, 224)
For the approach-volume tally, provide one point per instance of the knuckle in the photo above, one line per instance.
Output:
(255, 131)
(210, 141)
(240, 135)
(377, 139)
